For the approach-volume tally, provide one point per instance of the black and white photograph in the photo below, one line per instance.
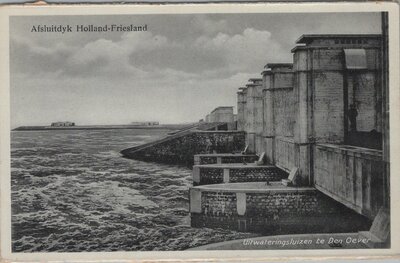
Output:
(199, 131)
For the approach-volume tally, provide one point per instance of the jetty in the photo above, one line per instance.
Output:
(291, 161)
(179, 147)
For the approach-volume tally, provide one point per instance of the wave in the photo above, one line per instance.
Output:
(72, 191)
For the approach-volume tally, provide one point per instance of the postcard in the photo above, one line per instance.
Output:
(199, 131)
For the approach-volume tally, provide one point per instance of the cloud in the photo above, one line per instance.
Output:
(221, 55)
(208, 26)
(247, 51)
(215, 56)
(182, 68)
(144, 56)
(111, 58)
(31, 58)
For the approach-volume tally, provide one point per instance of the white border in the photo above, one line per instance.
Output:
(245, 255)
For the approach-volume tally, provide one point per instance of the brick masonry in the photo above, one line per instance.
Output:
(277, 212)
(215, 175)
(181, 150)
(257, 175)
(209, 159)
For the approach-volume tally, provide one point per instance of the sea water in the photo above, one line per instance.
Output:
(72, 191)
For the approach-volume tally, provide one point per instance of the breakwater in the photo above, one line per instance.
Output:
(181, 148)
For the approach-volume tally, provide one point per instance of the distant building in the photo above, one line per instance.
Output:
(148, 123)
(62, 124)
(222, 114)
(208, 118)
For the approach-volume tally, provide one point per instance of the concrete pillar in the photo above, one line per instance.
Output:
(258, 114)
(196, 174)
(241, 106)
(303, 83)
(196, 160)
(278, 112)
(249, 117)
(241, 203)
(254, 114)
(325, 80)
(268, 117)
(195, 200)
(226, 176)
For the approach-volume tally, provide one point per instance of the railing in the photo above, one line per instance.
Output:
(351, 175)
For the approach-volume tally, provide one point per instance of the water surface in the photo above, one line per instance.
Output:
(72, 191)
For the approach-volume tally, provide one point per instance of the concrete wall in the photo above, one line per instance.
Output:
(322, 72)
(350, 175)
(286, 153)
(222, 114)
(254, 116)
(331, 80)
(284, 102)
(326, 88)
(365, 91)
(308, 102)
(268, 130)
(284, 112)
(279, 113)
(328, 107)
(258, 114)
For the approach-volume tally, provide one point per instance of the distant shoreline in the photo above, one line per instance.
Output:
(100, 127)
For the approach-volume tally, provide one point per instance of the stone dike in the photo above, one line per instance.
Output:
(270, 209)
(181, 148)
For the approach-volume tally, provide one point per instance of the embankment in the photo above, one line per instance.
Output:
(172, 127)
(181, 147)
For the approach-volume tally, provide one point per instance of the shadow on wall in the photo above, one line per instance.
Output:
(372, 139)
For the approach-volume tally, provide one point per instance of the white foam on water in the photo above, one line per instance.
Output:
(72, 191)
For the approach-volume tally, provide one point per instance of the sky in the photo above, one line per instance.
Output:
(179, 70)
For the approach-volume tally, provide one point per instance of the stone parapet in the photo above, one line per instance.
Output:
(257, 207)
(219, 158)
(232, 173)
(350, 175)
